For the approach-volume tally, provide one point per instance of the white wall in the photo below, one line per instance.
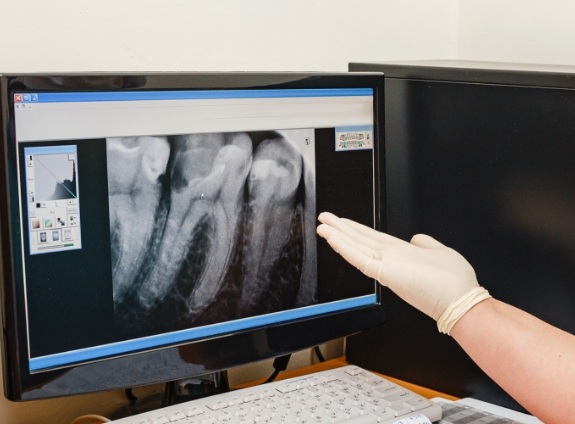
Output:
(525, 31)
(294, 35)
(110, 35)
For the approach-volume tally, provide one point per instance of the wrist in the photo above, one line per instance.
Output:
(458, 308)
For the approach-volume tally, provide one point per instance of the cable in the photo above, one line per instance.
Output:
(318, 353)
(280, 364)
(130, 395)
(169, 390)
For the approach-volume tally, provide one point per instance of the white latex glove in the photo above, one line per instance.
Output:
(425, 273)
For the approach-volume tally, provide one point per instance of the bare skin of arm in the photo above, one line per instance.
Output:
(530, 359)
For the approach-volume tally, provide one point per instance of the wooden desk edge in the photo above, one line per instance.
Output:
(340, 362)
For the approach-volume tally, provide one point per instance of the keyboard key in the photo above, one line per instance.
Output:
(417, 403)
(160, 419)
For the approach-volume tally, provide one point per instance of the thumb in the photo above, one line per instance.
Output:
(425, 241)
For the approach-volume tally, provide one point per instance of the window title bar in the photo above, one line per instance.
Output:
(106, 96)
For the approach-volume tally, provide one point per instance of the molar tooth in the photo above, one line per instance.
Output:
(133, 202)
(202, 191)
(272, 186)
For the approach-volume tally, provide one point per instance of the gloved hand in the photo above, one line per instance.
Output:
(425, 273)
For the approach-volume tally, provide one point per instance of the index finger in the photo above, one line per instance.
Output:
(354, 230)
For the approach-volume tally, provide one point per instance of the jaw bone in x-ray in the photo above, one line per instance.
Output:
(211, 226)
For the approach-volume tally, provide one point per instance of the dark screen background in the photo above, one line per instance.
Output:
(344, 187)
(69, 294)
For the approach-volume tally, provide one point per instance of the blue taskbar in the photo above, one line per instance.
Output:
(166, 339)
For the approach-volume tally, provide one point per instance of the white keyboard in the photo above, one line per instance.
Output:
(342, 395)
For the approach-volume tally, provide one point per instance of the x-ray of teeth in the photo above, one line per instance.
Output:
(209, 227)
(207, 178)
(135, 165)
(272, 234)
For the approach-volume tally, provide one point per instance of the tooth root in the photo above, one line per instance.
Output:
(133, 202)
(272, 185)
(201, 191)
(278, 282)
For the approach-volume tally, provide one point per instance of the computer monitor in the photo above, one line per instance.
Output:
(161, 226)
(481, 156)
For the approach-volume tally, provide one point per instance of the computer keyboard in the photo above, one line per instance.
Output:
(343, 395)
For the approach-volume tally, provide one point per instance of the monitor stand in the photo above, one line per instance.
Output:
(194, 388)
(177, 391)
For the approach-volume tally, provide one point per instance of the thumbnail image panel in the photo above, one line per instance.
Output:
(357, 137)
(211, 227)
(53, 198)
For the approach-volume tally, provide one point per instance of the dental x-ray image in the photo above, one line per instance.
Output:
(211, 227)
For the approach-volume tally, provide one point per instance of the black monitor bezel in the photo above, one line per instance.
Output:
(226, 351)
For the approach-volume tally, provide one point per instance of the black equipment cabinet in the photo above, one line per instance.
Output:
(480, 156)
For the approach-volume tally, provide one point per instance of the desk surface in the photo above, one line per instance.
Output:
(340, 362)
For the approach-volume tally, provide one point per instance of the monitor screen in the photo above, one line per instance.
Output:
(156, 227)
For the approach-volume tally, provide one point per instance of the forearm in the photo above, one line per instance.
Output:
(531, 360)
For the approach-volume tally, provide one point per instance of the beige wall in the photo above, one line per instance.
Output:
(106, 35)
(527, 31)
(295, 35)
